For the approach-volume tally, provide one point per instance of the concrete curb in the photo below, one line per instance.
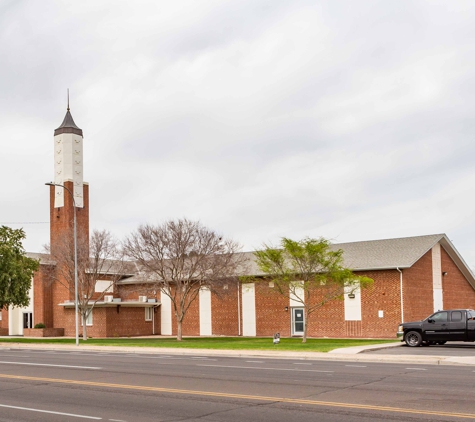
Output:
(350, 357)
(362, 349)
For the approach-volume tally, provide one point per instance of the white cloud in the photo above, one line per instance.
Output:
(260, 118)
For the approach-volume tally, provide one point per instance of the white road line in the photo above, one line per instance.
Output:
(51, 412)
(116, 420)
(47, 364)
(69, 353)
(14, 356)
(159, 357)
(147, 357)
(271, 369)
(417, 369)
(357, 366)
(297, 363)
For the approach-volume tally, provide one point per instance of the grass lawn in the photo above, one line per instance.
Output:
(223, 343)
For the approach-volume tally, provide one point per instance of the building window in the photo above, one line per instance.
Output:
(148, 314)
(103, 286)
(88, 319)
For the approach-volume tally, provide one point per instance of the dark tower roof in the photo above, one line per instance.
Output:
(68, 126)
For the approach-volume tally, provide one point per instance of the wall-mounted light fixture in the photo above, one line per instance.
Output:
(444, 272)
(286, 309)
(351, 296)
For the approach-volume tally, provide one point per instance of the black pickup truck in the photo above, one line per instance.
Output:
(439, 328)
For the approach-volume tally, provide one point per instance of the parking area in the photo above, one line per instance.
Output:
(449, 349)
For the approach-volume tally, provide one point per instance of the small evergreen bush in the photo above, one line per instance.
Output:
(40, 325)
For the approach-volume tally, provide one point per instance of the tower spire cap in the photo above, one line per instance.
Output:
(68, 125)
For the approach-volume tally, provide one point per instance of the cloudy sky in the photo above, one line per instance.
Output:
(351, 120)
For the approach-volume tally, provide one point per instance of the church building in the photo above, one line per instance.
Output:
(413, 277)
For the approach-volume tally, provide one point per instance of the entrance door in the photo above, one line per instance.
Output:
(297, 321)
(27, 320)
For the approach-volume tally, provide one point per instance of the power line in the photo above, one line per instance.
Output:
(25, 222)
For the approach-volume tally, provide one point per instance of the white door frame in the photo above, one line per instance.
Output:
(297, 320)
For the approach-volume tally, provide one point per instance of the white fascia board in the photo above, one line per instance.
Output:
(458, 260)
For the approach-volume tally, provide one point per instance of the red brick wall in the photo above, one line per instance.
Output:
(457, 291)
(133, 291)
(130, 322)
(4, 321)
(107, 322)
(224, 312)
(62, 218)
(382, 295)
(43, 296)
(329, 320)
(43, 332)
(61, 227)
(271, 316)
(62, 318)
(191, 323)
(418, 289)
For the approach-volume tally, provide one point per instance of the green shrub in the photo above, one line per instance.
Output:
(40, 325)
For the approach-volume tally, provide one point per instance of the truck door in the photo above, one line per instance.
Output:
(436, 327)
(471, 325)
(458, 323)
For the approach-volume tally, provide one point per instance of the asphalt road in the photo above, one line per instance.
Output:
(43, 385)
(449, 349)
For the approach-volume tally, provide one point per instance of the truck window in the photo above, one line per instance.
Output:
(470, 314)
(456, 316)
(440, 317)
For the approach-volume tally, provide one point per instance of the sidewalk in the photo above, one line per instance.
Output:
(353, 354)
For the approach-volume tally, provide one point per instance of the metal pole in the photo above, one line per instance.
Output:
(76, 299)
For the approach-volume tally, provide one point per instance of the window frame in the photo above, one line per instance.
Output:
(89, 320)
(149, 310)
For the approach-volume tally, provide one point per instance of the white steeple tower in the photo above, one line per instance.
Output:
(68, 164)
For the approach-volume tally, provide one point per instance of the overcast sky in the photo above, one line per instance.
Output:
(352, 120)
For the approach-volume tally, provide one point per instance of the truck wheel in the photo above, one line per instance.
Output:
(413, 339)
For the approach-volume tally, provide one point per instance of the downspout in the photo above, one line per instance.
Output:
(239, 308)
(402, 296)
(153, 320)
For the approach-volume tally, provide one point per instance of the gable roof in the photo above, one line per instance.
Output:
(385, 254)
(400, 253)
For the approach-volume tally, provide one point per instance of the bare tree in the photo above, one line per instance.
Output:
(181, 256)
(99, 259)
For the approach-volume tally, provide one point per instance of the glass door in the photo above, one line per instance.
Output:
(297, 321)
(27, 320)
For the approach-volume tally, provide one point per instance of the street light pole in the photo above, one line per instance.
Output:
(75, 259)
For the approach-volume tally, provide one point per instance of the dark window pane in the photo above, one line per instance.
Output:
(440, 317)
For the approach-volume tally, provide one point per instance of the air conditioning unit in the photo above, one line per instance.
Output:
(142, 298)
(108, 298)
